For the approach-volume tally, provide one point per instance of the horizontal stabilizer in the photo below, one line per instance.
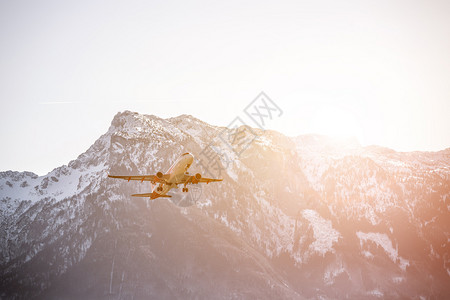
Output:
(151, 195)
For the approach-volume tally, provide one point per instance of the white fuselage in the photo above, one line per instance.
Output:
(176, 173)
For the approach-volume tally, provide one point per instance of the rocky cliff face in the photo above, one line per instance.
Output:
(305, 217)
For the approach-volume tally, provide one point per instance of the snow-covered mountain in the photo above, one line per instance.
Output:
(294, 218)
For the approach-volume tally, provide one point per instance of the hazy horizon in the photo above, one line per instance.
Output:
(378, 71)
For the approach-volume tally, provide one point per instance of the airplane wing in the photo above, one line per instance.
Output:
(194, 179)
(152, 195)
(141, 178)
(208, 180)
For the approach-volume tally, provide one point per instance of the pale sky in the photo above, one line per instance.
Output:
(378, 70)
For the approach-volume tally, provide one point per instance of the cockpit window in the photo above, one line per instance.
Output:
(185, 154)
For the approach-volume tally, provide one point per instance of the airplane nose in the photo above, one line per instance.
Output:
(191, 158)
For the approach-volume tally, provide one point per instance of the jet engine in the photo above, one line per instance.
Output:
(159, 175)
(196, 178)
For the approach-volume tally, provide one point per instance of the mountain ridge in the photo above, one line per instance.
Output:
(324, 220)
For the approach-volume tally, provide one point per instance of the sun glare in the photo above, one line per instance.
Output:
(337, 122)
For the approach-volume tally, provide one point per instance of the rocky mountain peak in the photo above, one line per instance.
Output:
(303, 217)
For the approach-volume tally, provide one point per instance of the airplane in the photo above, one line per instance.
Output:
(175, 175)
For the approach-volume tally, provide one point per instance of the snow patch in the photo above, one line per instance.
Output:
(367, 254)
(377, 293)
(332, 272)
(398, 279)
(324, 233)
(206, 203)
(382, 240)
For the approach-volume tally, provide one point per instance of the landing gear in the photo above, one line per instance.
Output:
(185, 190)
